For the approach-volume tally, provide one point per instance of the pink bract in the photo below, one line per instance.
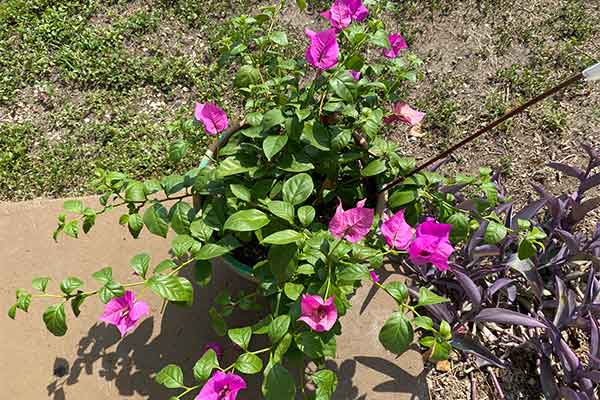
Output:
(404, 113)
(397, 233)
(212, 117)
(222, 386)
(353, 224)
(216, 347)
(355, 74)
(323, 51)
(397, 44)
(374, 277)
(432, 244)
(343, 12)
(124, 312)
(319, 315)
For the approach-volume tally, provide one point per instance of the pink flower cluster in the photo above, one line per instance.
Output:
(429, 243)
(323, 51)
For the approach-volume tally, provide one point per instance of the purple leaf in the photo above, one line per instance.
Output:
(470, 345)
(567, 170)
(581, 210)
(592, 153)
(471, 289)
(528, 269)
(566, 304)
(569, 394)
(529, 211)
(569, 361)
(486, 250)
(590, 182)
(547, 380)
(499, 284)
(502, 316)
(594, 342)
(569, 239)
(592, 375)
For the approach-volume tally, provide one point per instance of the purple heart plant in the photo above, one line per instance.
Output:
(292, 188)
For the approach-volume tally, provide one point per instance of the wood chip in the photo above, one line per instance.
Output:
(443, 366)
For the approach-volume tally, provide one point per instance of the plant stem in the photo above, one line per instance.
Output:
(187, 390)
(329, 265)
(277, 305)
(183, 264)
(261, 350)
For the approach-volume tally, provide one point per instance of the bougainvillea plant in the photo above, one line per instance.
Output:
(292, 192)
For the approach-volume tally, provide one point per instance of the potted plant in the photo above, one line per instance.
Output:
(291, 197)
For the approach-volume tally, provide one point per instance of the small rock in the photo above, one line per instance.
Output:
(443, 366)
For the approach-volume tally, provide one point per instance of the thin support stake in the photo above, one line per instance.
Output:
(487, 128)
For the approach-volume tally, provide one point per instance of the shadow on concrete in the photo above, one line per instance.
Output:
(130, 363)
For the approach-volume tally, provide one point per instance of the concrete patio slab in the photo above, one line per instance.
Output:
(91, 362)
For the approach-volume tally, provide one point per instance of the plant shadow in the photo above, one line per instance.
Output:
(130, 363)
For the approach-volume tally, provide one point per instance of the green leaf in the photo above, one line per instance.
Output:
(200, 230)
(427, 297)
(306, 215)
(375, 167)
(12, 311)
(254, 118)
(352, 272)
(140, 264)
(164, 265)
(380, 39)
(293, 290)
(76, 303)
(135, 192)
(23, 301)
(424, 322)
(441, 351)
(156, 219)
(326, 381)
(74, 206)
(301, 4)
(279, 384)
(152, 186)
(69, 284)
(202, 272)
(172, 288)
(297, 189)
(246, 220)
(460, 227)
(40, 283)
(282, 209)
(104, 275)
(182, 244)
(71, 229)
(445, 330)
(170, 377)
(279, 327)
(217, 321)
(401, 198)
(526, 249)
(341, 90)
(283, 237)
(273, 145)
(247, 75)
(55, 319)
(305, 269)
(204, 366)
(282, 261)
(240, 336)
(397, 290)
(495, 232)
(279, 38)
(272, 118)
(241, 192)
(248, 363)
(135, 223)
(396, 335)
(310, 344)
(110, 290)
(172, 184)
(177, 150)
(282, 347)
(212, 250)
(181, 215)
